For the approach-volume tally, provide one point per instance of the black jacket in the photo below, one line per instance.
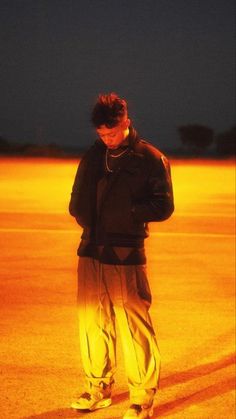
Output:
(138, 192)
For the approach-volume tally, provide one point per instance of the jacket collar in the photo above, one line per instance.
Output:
(133, 138)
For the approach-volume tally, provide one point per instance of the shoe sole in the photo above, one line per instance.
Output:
(149, 413)
(99, 405)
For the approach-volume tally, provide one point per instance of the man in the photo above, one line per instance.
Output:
(122, 183)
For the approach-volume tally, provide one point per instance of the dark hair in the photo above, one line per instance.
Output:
(109, 110)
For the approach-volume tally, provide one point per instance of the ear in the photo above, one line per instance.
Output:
(128, 122)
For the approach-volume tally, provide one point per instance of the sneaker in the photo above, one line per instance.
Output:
(139, 411)
(98, 398)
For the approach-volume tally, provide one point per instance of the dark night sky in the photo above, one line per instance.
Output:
(172, 59)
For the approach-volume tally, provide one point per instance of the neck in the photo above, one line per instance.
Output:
(125, 140)
(126, 133)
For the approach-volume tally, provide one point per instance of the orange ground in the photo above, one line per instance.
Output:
(191, 269)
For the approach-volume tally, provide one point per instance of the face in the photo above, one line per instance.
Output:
(114, 137)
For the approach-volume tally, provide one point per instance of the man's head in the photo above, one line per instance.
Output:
(110, 118)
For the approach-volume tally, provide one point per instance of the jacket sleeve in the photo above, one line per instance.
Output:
(158, 204)
(77, 193)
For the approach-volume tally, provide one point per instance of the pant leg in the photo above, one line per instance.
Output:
(96, 324)
(130, 294)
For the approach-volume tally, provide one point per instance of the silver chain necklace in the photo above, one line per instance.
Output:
(113, 156)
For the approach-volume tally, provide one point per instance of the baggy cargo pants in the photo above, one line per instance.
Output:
(117, 292)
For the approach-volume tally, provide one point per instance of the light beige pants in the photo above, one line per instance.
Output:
(109, 292)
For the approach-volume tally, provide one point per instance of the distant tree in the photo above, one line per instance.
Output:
(226, 142)
(47, 150)
(4, 145)
(196, 138)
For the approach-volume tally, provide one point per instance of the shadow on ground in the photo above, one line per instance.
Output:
(198, 371)
(173, 406)
(70, 413)
(199, 396)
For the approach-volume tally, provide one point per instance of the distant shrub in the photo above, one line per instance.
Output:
(226, 142)
(196, 138)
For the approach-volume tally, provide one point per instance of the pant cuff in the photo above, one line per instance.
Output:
(99, 382)
(142, 396)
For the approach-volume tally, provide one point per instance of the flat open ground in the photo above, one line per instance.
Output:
(191, 269)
